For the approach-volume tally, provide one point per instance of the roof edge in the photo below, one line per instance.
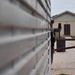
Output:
(55, 16)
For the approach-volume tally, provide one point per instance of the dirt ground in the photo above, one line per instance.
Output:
(64, 62)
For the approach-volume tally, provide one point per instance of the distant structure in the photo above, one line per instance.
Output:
(67, 21)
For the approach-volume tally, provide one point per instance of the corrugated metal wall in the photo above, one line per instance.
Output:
(24, 37)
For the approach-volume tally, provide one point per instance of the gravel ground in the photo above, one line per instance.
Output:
(64, 62)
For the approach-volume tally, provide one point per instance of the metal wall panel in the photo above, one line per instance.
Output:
(40, 10)
(43, 1)
(44, 71)
(12, 15)
(42, 64)
(41, 52)
(24, 37)
(15, 32)
(28, 67)
(32, 3)
(41, 38)
(11, 51)
(45, 48)
(41, 24)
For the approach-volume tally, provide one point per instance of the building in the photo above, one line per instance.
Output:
(67, 20)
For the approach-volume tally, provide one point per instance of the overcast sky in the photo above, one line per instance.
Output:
(58, 6)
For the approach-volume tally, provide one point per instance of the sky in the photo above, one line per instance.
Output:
(59, 6)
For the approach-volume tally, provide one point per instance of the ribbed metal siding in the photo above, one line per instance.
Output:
(24, 37)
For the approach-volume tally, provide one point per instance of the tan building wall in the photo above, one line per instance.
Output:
(72, 27)
(65, 19)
